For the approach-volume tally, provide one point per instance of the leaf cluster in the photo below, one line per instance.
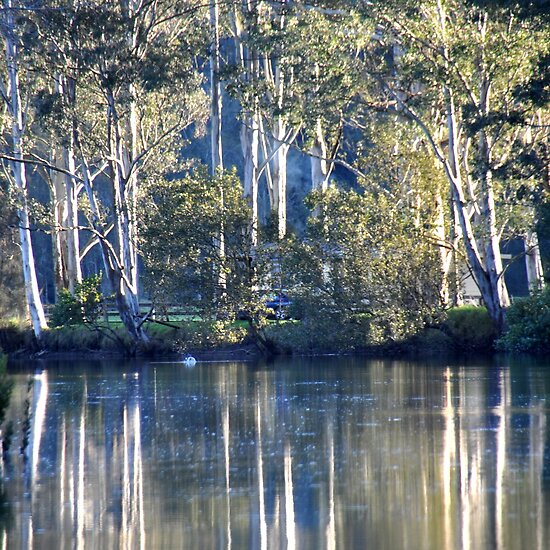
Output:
(364, 262)
(82, 307)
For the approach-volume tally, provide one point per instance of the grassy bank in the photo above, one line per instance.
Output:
(467, 329)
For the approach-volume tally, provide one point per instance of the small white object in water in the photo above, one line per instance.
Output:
(189, 361)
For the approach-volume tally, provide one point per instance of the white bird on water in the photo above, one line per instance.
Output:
(189, 361)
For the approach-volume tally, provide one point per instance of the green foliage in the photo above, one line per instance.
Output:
(471, 328)
(6, 386)
(364, 268)
(209, 334)
(430, 341)
(16, 335)
(83, 307)
(12, 295)
(528, 321)
(183, 220)
(98, 337)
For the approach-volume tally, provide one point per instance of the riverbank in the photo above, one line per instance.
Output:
(278, 339)
(460, 331)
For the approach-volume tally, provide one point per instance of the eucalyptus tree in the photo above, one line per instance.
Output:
(297, 77)
(450, 67)
(181, 220)
(365, 265)
(327, 49)
(272, 37)
(16, 83)
(394, 159)
(244, 79)
(131, 88)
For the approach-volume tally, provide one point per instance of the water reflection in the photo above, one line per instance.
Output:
(311, 454)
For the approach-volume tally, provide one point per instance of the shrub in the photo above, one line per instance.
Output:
(528, 321)
(6, 386)
(208, 334)
(83, 307)
(470, 328)
(15, 336)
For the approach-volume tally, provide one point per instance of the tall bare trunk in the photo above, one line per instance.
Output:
(18, 171)
(250, 148)
(65, 199)
(493, 259)
(487, 271)
(124, 277)
(317, 159)
(216, 123)
(279, 180)
(445, 250)
(215, 90)
(250, 128)
(533, 263)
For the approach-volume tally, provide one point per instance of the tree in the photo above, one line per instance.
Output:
(300, 80)
(443, 63)
(181, 219)
(131, 88)
(12, 90)
(366, 266)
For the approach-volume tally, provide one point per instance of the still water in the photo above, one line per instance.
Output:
(318, 453)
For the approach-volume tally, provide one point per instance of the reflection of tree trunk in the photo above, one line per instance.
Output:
(132, 529)
(260, 469)
(331, 525)
(289, 500)
(79, 504)
(36, 418)
(226, 436)
(448, 458)
(501, 443)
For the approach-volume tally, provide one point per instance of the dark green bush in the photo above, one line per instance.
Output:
(6, 386)
(430, 341)
(470, 328)
(83, 307)
(528, 322)
(15, 336)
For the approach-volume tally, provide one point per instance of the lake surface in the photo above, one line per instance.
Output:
(321, 453)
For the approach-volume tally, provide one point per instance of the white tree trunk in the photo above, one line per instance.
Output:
(250, 128)
(250, 148)
(487, 271)
(215, 91)
(318, 162)
(124, 278)
(65, 198)
(216, 124)
(445, 252)
(533, 263)
(18, 171)
(279, 181)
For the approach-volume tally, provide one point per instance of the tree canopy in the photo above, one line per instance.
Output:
(419, 127)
